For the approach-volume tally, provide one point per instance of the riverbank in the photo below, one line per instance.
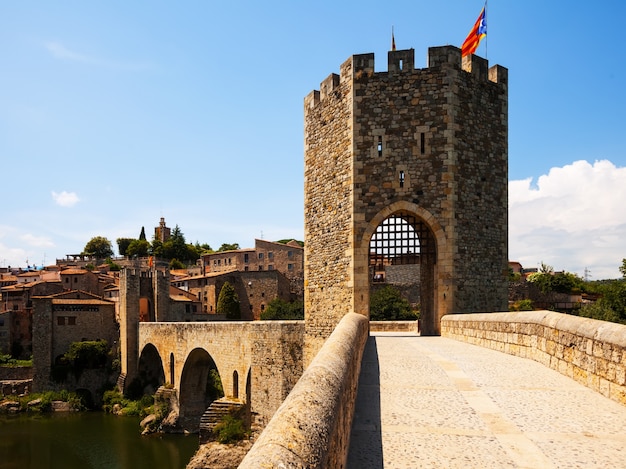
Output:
(216, 455)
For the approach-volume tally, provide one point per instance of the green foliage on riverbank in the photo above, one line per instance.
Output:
(230, 429)
(42, 402)
(114, 402)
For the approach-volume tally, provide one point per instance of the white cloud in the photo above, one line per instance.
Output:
(59, 51)
(65, 199)
(573, 218)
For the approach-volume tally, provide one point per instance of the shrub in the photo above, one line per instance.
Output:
(278, 309)
(230, 429)
(522, 305)
(387, 304)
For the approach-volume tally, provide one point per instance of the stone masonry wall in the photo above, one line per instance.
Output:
(589, 351)
(431, 143)
(328, 208)
(267, 356)
(312, 427)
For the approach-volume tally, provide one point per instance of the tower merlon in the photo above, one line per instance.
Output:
(400, 60)
(478, 66)
(328, 85)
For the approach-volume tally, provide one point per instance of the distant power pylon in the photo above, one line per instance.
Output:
(587, 274)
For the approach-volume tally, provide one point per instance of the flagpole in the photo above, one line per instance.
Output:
(487, 35)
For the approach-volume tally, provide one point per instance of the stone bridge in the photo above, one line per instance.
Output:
(258, 362)
(440, 402)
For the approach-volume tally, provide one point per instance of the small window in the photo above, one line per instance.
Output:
(270, 267)
(260, 255)
(246, 258)
(289, 254)
(270, 255)
(67, 280)
(422, 143)
(380, 146)
(289, 266)
(71, 320)
(60, 320)
(262, 307)
(260, 267)
(401, 177)
(75, 279)
(245, 269)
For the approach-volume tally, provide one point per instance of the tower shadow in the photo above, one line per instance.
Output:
(366, 447)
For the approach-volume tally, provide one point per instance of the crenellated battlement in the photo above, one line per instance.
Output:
(361, 67)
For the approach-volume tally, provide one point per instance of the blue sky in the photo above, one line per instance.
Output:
(114, 114)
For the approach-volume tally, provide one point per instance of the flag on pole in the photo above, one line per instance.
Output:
(478, 32)
(393, 40)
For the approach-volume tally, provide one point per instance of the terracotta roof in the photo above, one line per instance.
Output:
(73, 271)
(68, 301)
(29, 274)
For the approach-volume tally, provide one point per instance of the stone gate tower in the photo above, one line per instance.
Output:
(408, 165)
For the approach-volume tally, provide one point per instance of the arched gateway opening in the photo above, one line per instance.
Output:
(403, 254)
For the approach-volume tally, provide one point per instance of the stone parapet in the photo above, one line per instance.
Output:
(312, 427)
(394, 326)
(589, 351)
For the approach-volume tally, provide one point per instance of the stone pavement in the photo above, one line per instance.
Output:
(433, 402)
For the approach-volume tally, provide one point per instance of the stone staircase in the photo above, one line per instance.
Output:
(121, 382)
(214, 415)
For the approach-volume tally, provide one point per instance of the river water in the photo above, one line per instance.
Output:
(88, 440)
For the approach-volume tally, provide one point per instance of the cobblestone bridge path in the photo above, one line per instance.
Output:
(432, 402)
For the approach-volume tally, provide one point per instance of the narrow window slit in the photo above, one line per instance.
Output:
(380, 146)
(401, 178)
(422, 143)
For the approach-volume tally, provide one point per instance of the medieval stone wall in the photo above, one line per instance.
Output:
(431, 143)
(312, 426)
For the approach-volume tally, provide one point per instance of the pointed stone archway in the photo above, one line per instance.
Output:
(405, 234)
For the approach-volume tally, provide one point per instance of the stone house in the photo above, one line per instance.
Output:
(63, 318)
(269, 270)
(16, 311)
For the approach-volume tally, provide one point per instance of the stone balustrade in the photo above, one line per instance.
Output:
(589, 351)
(312, 427)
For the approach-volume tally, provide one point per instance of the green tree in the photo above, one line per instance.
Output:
(142, 235)
(228, 247)
(622, 269)
(122, 245)
(176, 264)
(99, 246)
(138, 248)
(387, 304)
(560, 282)
(278, 309)
(176, 248)
(228, 302)
(203, 248)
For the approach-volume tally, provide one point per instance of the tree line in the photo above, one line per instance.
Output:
(175, 249)
(610, 302)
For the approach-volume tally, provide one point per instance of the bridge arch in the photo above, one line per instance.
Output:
(151, 373)
(198, 385)
(393, 235)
